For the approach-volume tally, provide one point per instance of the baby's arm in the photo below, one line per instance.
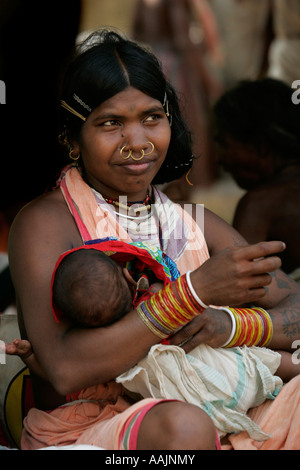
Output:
(288, 368)
(23, 349)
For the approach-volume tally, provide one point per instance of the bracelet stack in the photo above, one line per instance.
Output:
(165, 312)
(250, 327)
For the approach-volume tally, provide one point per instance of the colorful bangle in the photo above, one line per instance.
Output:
(149, 324)
(169, 309)
(253, 327)
(189, 283)
(233, 326)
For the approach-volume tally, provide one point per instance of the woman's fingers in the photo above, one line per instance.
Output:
(212, 327)
(262, 250)
(237, 275)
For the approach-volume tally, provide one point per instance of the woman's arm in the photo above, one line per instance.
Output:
(70, 358)
(282, 295)
(239, 274)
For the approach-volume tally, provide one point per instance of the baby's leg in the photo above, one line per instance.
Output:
(289, 366)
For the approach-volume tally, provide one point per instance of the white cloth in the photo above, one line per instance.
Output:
(225, 383)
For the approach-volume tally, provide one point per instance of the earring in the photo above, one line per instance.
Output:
(187, 178)
(72, 157)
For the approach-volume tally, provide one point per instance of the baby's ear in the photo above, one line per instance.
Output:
(128, 277)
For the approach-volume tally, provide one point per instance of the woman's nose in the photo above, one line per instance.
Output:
(136, 141)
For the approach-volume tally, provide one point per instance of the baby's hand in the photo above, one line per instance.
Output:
(19, 347)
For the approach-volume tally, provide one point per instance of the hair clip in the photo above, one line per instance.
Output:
(72, 110)
(82, 103)
(166, 104)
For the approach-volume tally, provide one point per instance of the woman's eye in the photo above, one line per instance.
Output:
(152, 118)
(110, 123)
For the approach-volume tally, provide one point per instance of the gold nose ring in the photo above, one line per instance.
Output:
(142, 152)
(139, 158)
(129, 154)
(149, 153)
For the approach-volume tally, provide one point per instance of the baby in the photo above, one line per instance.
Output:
(91, 289)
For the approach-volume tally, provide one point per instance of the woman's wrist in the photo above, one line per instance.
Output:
(171, 308)
(250, 327)
(233, 326)
(193, 277)
(194, 293)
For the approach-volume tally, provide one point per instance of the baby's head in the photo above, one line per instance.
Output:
(90, 289)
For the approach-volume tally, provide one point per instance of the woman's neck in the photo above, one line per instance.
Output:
(109, 193)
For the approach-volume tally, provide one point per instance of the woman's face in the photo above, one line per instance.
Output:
(131, 119)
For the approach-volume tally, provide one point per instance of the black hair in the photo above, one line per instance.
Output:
(107, 63)
(87, 289)
(260, 112)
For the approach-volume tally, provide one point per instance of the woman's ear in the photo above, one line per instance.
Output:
(75, 147)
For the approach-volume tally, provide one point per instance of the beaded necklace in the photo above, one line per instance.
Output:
(144, 205)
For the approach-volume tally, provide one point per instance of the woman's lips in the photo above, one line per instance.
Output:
(136, 168)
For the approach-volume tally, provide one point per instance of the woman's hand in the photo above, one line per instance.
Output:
(212, 327)
(237, 275)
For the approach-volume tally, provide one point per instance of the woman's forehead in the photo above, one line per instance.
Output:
(129, 100)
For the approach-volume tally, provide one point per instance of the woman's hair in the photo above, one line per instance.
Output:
(106, 64)
(261, 113)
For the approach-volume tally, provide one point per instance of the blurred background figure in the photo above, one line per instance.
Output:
(284, 54)
(184, 35)
(257, 129)
(245, 31)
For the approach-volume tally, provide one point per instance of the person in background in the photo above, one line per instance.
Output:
(257, 130)
(184, 35)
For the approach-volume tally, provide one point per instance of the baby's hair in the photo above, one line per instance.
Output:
(88, 288)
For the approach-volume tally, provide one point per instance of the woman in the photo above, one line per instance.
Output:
(121, 121)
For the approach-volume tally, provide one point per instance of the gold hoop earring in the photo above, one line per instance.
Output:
(152, 149)
(129, 154)
(72, 157)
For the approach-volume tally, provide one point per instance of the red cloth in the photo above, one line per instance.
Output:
(121, 252)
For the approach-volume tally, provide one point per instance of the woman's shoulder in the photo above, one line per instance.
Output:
(38, 211)
(45, 217)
